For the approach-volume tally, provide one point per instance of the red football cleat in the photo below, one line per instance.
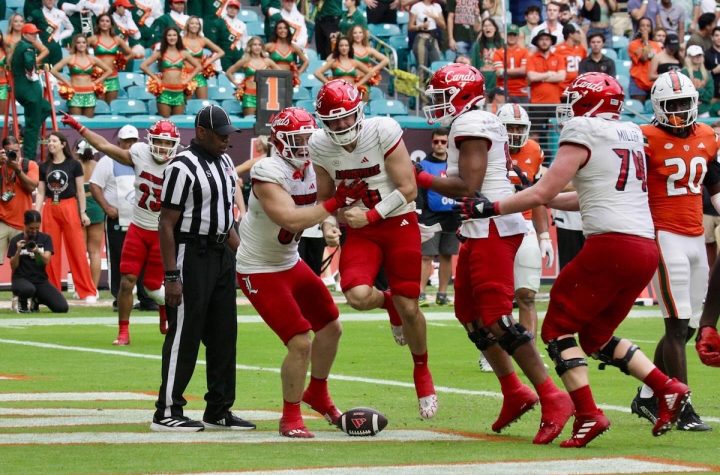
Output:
(324, 405)
(122, 340)
(555, 414)
(163, 320)
(514, 406)
(671, 400)
(585, 429)
(295, 429)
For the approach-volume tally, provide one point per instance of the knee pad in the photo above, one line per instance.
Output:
(606, 355)
(555, 347)
(157, 295)
(515, 335)
(481, 336)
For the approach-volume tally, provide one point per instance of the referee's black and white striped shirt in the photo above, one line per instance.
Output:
(203, 188)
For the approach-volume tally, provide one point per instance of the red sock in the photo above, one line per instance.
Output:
(421, 375)
(388, 305)
(317, 386)
(509, 383)
(123, 327)
(656, 380)
(291, 411)
(420, 360)
(546, 388)
(584, 402)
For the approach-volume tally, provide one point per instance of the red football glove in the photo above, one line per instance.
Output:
(70, 121)
(422, 178)
(346, 195)
(707, 344)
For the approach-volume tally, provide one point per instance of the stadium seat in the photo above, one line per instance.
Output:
(311, 54)
(139, 92)
(300, 94)
(376, 93)
(222, 93)
(128, 107)
(387, 107)
(610, 53)
(248, 16)
(193, 106)
(308, 79)
(398, 42)
(632, 107)
(223, 81)
(152, 106)
(308, 105)
(450, 55)
(314, 92)
(20, 109)
(255, 29)
(314, 65)
(101, 108)
(131, 79)
(622, 68)
(620, 42)
(403, 18)
(3, 26)
(61, 105)
(624, 80)
(384, 30)
(232, 106)
(435, 65)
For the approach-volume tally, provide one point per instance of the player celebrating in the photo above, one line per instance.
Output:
(283, 289)
(383, 227)
(478, 162)
(141, 249)
(681, 158)
(592, 295)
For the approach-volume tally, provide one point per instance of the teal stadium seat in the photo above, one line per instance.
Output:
(300, 94)
(403, 18)
(193, 106)
(128, 107)
(610, 53)
(632, 107)
(314, 65)
(314, 92)
(60, 105)
(622, 67)
(385, 30)
(3, 26)
(223, 81)
(308, 105)
(255, 29)
(139, 92)
(152, 106)
(624, 80)
(222, 93)
(648, 109)
(620, 44)
(101, 108)
(376, 93)
(311, 54)
(308, 79)
(232, 106)
(387, 107)
(435, 65)
(131, 79)
(248, 16)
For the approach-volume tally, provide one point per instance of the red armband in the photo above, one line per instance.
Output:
(373, 216)
(331, 205)
(424, 180)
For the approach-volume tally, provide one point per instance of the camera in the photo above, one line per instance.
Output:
(11, 154)
(7, 196)
(30, 246)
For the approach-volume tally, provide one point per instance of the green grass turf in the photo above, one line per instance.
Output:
(367, 350)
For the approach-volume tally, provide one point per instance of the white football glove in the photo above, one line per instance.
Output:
(546, 248)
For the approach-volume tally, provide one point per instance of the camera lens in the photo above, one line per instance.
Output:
(11, 154)
(30, 245)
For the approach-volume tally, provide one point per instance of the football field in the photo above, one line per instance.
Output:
(70, 402)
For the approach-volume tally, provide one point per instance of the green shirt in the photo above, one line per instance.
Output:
(330, 8)
(347, 22)
(706, 93)
(23, 65)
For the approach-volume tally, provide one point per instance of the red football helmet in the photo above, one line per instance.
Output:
(592, 95)
(290, 130)
(336, 100)
(164, 139)
(452, 90)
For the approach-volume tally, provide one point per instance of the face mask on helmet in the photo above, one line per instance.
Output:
(518, 134)
(440, 110)
(293, 146)
(678, 113)
(163, 148)
(564, 110)
(337, 129)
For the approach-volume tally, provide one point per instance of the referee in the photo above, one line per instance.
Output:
(198, 244)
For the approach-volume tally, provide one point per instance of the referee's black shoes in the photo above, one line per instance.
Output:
(176, 424)
(229, 422)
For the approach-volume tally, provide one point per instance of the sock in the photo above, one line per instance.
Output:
(317, 387)
(509, 383)
(388, 305)
(546, 388)
(656, 380)
(123, 327)
(584, 402)
(420, 360)
(291, 411)
(422, 377)
(646, 392)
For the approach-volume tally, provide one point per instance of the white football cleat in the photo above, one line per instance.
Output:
(428, 406)
(397, 332)
(485, 365)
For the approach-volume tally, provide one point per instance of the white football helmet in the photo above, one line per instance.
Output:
(674, 100)
(515, 115)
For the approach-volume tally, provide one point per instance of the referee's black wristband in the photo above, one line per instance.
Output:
(172, 276)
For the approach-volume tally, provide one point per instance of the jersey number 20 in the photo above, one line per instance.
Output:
(693, 175)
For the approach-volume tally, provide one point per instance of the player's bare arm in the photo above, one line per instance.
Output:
(280, 207)
(326, 188)
(168, 220)
(472, 165)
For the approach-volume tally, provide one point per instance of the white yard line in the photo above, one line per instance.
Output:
(77, 396)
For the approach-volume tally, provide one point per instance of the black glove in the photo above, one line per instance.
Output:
(524, 181)
(475, 208)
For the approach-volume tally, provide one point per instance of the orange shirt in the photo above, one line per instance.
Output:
(11, 212)
(573, 55)
(516, 57)
(528, 159)
(676, 168)
(640, 71)
(545, 92)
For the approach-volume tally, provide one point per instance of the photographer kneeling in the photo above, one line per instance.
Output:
(29, 253)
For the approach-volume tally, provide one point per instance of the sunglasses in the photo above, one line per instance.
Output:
(439, 142)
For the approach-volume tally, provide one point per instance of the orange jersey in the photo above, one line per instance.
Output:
(573, 55)
(516, 58)
(528, 159)
(542, 92)
(676, 170)
(639, 70)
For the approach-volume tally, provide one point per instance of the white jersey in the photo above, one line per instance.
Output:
(477, 124)
(611, 186)
(59, 26)
(297, 23)
(377, 138)
(264, 245)
(148, 186)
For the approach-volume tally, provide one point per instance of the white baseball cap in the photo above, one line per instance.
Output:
(695, 50)
(128, 132)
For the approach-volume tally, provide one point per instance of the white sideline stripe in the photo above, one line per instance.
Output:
(33, 417)
(219, 437)
(77, 396)
(148, 320)
(336, 377)
(539, 467)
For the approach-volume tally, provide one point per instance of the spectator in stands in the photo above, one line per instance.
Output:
(83, 14)
(702, 36)
(94, 233)
(659, 35)
(640, 9)
(265, 7)
(641, 51)
(14, 34)
(597, 62)
(532, 20)
(54, 28)
(175, 18)
(483, 52)
(343, 65)
(287, 55)
(427, 22)
(29, 253)
(144, 15)
(352, 17)
(61, 199)
(712, 61)
(252, 61)
(672, 18)
(494, 9)
(196, 44)
(700, 7)
(123, 19)
(551, 24)
(516, 64)
(231, 35)
(463, 24)
(702, 80)
(107, 46)
(545, 73)
(327, 21)
(171, 59)
(19, 180)
(572, 51)
(81, 86)
(494, 100)
(598, 13)
(298, 28)
(366, 54)
(668, 59)
(382, 11)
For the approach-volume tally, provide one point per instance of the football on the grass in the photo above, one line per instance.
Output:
(362, 422)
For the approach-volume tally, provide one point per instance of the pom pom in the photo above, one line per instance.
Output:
(295, 75)
(190, 87)
(66, 92)
(208, 69)
(154, 87)
(120, 61)
(99, 88)
(375, 80)
(240, 92)
(96, 73)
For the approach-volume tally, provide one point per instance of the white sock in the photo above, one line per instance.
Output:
(646, 392)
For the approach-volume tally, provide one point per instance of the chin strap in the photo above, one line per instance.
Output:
(299, 173)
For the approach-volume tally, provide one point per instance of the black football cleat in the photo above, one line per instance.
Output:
(645, 407)
(690, 421)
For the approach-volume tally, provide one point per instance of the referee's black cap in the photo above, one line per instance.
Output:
(215, 118)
